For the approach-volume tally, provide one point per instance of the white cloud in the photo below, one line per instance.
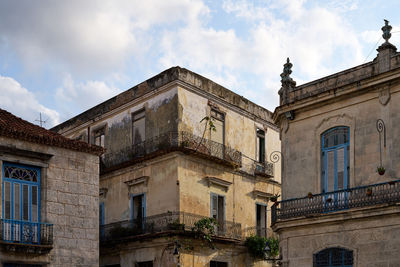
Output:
(82, 95)
(18, 100)
(87, 36)
(318, 41)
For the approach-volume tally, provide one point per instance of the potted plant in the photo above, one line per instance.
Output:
(309, 195)
(274, 198)
(381, 170)
(329, 200)
(392, 182)
(369, 191)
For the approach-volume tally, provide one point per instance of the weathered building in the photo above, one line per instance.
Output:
(337, 210)
(181, 148)
(49, 204)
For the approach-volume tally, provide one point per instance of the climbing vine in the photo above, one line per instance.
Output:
(204, 229)
(256, 246)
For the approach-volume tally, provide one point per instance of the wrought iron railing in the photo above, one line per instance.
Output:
(22, 232)
(253, 167)
(173, 141)
(363, 196)
(170, 221)
(264, 169)
(258, 231)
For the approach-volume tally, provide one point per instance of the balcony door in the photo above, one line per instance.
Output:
(218, 211)
(335, 166)
(21, 203)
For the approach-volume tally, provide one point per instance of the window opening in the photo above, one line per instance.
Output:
(261, 220)
(333, 257)
(219, 122)
(139, 127)
(218, 210)
(99, 136)
(218, 264)
(260, 153)
(21, 203)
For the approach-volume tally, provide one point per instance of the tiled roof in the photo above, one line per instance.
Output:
(14, 127)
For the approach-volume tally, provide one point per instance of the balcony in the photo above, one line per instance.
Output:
(265, 169)
(27, 237)
(169, 142)
(178, 222)
(357, 197)
(258, 231)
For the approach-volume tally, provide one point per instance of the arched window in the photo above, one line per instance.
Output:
(333, 257)
(335, 159)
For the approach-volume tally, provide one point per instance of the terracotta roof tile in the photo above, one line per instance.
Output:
(14, 127)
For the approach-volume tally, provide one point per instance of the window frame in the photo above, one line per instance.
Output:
(133, 119)
(98, 132)
(217, 115)
(324, 161)
(260, 136)
(21, 183)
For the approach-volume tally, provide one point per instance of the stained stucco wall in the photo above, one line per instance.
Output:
(302, 141)
(69, 200)
(160, 189)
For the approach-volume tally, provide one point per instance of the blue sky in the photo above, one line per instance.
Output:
(63, 57)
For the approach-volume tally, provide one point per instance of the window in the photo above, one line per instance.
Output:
(138, 207)
(21, 203)
(331, 257)
(145, 264)
(218, 264)
(261, 220)
(335, 159)
(138, 127)
(218, 210)
(98, 137)
(219, 122)
(101, 218)
(260, 153)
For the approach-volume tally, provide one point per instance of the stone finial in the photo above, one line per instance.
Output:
(385, 50)
(386, 31)
(287, 82)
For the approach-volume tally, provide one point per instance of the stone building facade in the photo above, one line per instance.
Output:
(49, 203)
(180, 149)
(337, 210)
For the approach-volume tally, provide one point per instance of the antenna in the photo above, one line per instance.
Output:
(40, 120)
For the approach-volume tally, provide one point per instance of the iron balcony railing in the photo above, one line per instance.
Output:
(12, 231)
(258, 231)
(170, 221)
(173, 141)
(363, 196)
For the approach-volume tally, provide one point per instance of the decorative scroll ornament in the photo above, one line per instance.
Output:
(380, 127)
(275, 156)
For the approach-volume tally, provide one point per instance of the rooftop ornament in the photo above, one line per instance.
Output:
(386, 31)
(286, 80)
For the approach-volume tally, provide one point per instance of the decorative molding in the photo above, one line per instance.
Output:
(218, 181)
(260, 194)
(103, 192)
(384, 95)
(137, 181)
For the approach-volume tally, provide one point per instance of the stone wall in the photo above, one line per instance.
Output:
(69, 200)
(372, 234)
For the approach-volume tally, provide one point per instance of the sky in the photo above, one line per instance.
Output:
(60, 58)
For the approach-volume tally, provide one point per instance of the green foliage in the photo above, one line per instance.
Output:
(256, 246)
(210, 123)
(204, 229)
